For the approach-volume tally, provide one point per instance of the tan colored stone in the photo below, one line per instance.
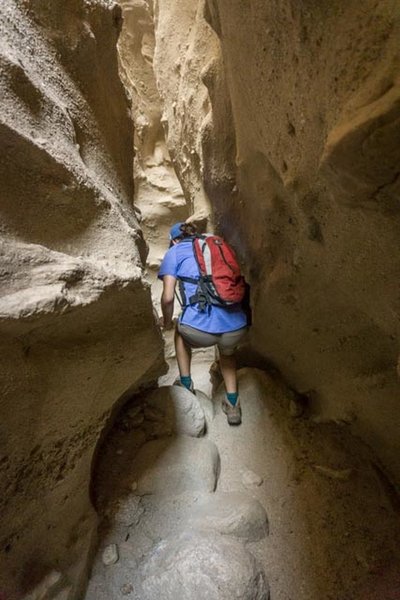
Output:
(77, 329)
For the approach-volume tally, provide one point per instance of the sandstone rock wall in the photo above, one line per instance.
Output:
(77, 330)
(159, 198)
(296, 146)
(186, 44)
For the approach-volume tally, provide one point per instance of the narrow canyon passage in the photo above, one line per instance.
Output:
(274, 124)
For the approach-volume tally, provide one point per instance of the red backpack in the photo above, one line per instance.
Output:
(220, 282)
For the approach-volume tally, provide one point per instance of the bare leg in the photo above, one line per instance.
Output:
(183, 355)
(228, 370)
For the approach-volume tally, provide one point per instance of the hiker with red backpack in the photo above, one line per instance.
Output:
(211, 290)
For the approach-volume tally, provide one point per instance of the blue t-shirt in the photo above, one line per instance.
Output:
(180, 261)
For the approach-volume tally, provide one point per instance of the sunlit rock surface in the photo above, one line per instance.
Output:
(159, 198)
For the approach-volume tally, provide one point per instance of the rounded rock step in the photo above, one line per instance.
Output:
(178, 408)
(232, 513)
(170, 466)
(202, 566)
(207, 405)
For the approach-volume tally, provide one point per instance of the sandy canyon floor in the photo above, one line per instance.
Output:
(280, 503)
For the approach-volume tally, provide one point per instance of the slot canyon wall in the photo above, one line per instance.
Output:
(285, 115)
(77, 330)
(159, 199)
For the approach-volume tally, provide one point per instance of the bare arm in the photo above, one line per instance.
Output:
(167, 300)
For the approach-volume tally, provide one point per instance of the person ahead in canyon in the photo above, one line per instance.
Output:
(212, 313)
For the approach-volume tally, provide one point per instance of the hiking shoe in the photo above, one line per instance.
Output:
(180, 384)
(233, 413)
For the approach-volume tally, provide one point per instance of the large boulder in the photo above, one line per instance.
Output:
(202, 566)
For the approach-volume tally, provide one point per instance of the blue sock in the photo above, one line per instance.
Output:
(186, 381)
(232, 397)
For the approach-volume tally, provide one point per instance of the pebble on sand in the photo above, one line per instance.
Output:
(126, 589)
(110, 555)
(251, 479)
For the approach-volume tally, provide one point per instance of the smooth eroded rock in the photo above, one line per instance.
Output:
(174, 465)
(207, 405)
(180, 410)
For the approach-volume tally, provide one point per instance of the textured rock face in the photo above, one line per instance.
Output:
(296, 147)
(160, 200)
(186, 55)
(233, 514)
(223, 569)
(76, 323)
(158, 194)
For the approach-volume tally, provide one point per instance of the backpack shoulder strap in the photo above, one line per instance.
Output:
(181, 280)
(201, 296)
(199, 248)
